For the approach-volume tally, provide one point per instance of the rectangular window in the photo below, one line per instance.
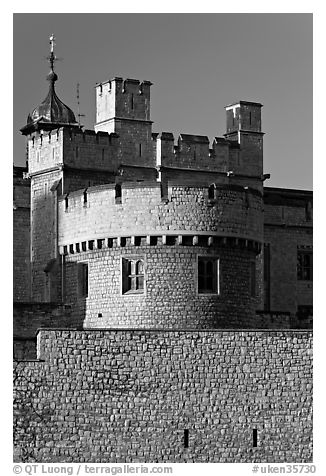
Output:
(133, 276)
(304, 265)
(208, 275)
(83, 280)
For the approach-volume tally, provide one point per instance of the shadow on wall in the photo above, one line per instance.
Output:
(31, 316)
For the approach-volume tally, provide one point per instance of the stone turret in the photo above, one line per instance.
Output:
(52, 112)
(243, 125)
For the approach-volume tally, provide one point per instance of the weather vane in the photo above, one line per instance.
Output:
(52, 58)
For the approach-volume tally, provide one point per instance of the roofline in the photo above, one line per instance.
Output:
(287, 190)
(248, 103)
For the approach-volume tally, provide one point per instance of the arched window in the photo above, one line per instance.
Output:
(208, 275)
(132, 276)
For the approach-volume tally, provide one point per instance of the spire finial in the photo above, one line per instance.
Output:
(52, 42)
(52, 56)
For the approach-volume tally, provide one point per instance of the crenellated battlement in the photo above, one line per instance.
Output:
(121, 99)
(39, 139)
(114, 210)
(73, 147)
(192, 151)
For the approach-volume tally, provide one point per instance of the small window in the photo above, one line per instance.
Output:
(140, 150)
(83, 280)
(208, 275)
(133, 276)
(118, 193)
(211, 191)
(304, 265)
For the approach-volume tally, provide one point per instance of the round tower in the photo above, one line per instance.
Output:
(186, 260)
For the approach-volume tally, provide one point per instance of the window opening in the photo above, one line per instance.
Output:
(118, 193)
(211, 192)
(132, 276)
(208, 275)
(304, 265)
(186, 438)
(254, 438)
(83, 279)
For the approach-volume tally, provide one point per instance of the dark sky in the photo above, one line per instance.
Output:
(198, 63)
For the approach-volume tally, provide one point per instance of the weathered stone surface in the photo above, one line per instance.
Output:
(122, 393)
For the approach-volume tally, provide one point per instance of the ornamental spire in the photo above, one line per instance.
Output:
(52, 76)
(52, 112)
(52, 58)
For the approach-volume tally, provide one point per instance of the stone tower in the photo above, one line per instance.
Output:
(243, 125)
(131, 230)
(45, 159)
(123, 107)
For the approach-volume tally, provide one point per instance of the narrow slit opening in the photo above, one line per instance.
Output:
(254, 438)
(186, 438)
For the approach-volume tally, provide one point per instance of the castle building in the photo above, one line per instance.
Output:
(124, 228)
(128, 227)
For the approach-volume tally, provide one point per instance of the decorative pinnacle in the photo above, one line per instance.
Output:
(52, 58)
(52, 40)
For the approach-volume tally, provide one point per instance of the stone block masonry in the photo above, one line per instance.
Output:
(170, 298)
(233, 212)
(128, 396)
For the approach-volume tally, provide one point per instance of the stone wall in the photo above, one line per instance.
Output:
(286, 291)
(128, 396)
(21, 236)
(141, 210)
(192, 152)
(44, 236)
(288, 227)
(170, 298)
(28, 317)
(74, 148)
